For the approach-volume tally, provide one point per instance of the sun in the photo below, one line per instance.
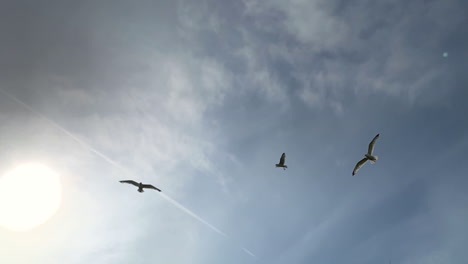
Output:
(30, 194)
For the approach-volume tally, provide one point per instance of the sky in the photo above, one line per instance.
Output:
(200, 98)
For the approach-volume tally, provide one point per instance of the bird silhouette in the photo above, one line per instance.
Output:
(140, 185)
(281, 163)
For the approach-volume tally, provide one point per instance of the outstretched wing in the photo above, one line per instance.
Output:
(149, 186)
(359, 165)
(130, 182)
(371, 145)
(283, 157)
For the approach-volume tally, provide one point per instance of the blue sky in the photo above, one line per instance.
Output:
(200, 98)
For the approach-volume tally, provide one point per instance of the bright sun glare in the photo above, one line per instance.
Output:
(29, 195)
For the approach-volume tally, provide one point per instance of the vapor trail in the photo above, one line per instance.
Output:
(248, 252)
(106, 158)
(181, 207)
(54, 124)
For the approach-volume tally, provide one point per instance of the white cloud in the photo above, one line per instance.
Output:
(354, 49)
(157, 122)
(310, 22)
(258, 76)
(196, 17)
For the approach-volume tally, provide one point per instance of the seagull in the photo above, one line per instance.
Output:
(141, 185)
(281, 163)
(368, 156)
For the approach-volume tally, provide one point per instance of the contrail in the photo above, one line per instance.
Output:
(54, 124)
(181, 207)
(248, 252)
(106, 158)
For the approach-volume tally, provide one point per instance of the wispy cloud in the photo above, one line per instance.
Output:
(336, 50)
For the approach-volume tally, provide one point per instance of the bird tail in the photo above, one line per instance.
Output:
(373, 161)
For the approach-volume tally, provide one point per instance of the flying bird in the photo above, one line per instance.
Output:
(281, 163)
(368, 156)
(141, 185)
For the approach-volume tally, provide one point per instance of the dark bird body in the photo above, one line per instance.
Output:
(281, 163)
(140, 185)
